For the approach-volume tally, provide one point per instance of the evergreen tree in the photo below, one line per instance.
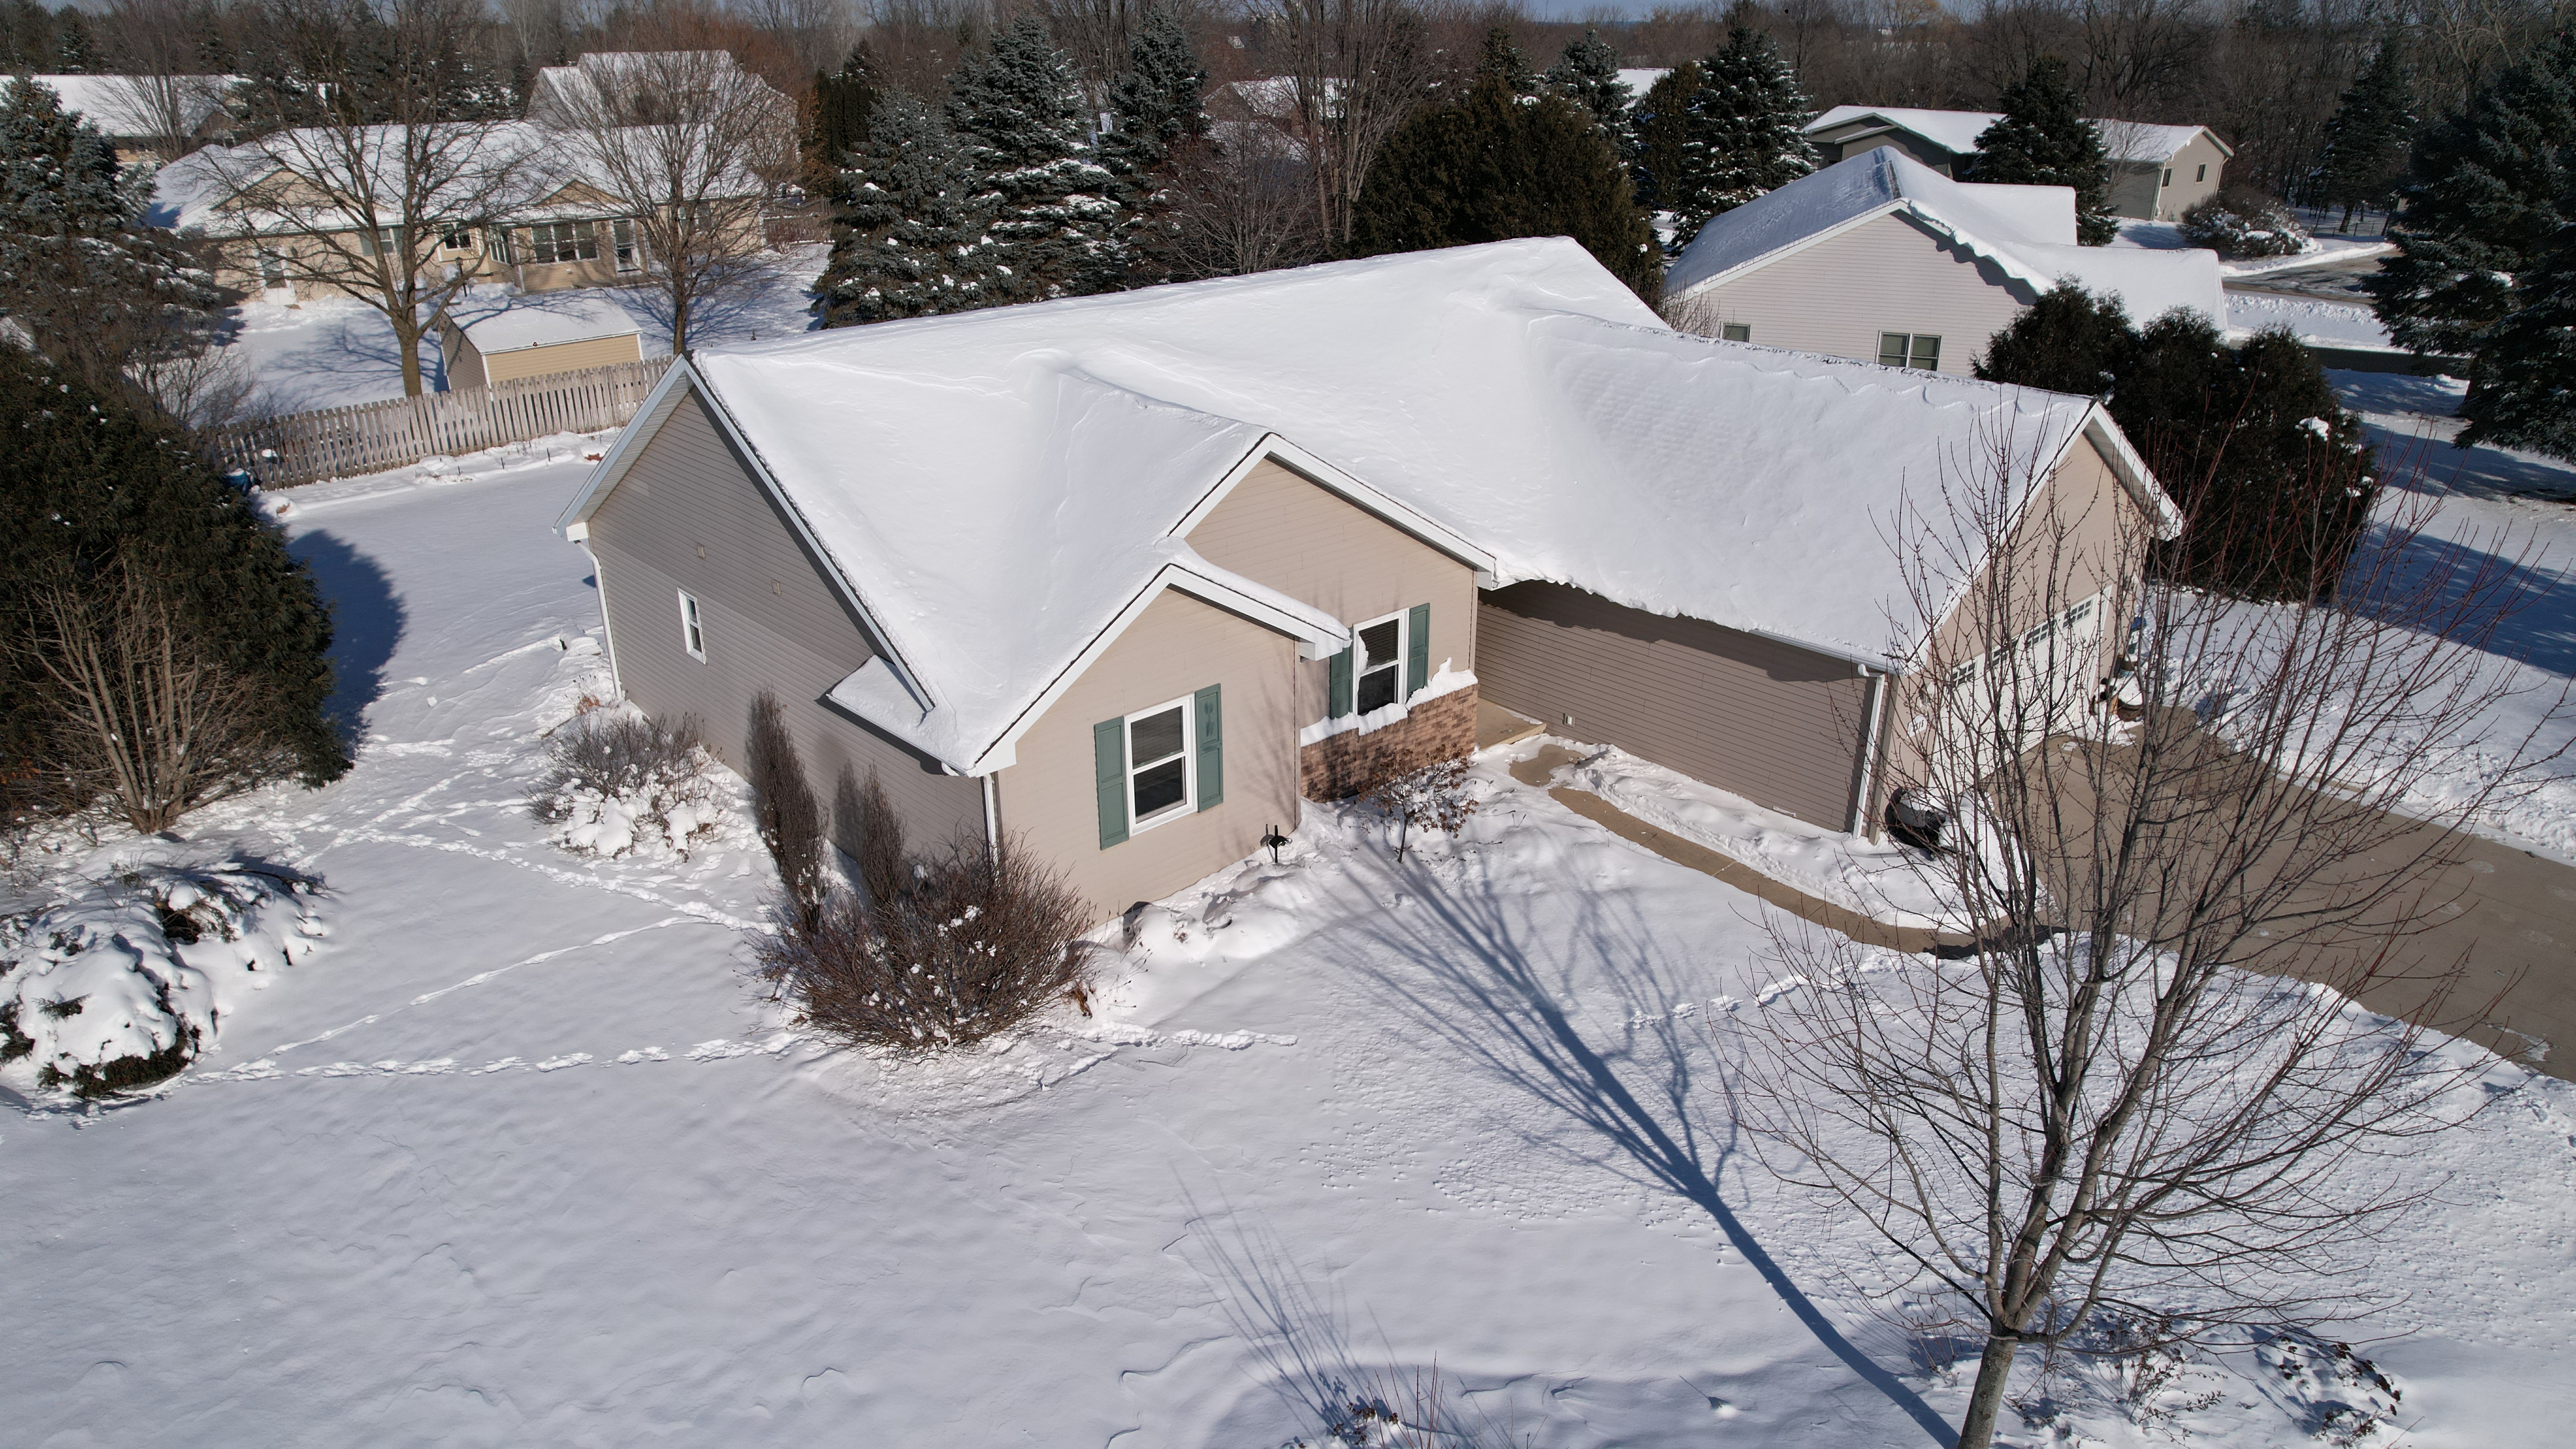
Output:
(2482, 205)
(2044, 140)
(1027, 130)
(2522, 384)
(909, 232)
(1501, 57)
(2367, 138)
(1588, 75)
(843, 100)
(1659, 130)
(89, 484)
(75, 48)
(1493, 165)
(1158, 115)
(2272, 475)
(1744, 131)
(94, 286)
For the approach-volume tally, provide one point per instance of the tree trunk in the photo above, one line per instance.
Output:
(407, 341)
(679, 322)
(1978, 1429)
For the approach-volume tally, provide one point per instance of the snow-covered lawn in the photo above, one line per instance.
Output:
(2166, 236)
(523, 1156)
(2313, 320)
(330, 352)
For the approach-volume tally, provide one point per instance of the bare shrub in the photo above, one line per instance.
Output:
(1434, 797)
(872, 832)
(139, 706)
(791, 822)
(617, 782)
(963, 945)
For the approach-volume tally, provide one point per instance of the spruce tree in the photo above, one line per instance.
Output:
(1494, 165)
(1501, 57)
(1745, 131)
(843, 100)
(2367, 137)
(1027, 130)
(2044, 140)
(90, 484)
(1659, 130)
(1588, 75)
(1158, 113)
(2482, 205)
(910, 224)
(2522, 384)
(94, 286)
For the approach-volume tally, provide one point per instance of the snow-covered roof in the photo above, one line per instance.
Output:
(1642, 79)
(998, 490)
(567, 92)
(513, 322)
(118, 104)
(1957, 131)
(2026, 231)
(515, 170)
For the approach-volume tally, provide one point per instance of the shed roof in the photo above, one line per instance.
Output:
(999, 489)
(498, 322)
(2027, 231)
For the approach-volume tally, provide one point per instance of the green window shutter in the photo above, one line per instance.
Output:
(1417, 649)
(1109, 765)
(1211, 746)
(1337, 691)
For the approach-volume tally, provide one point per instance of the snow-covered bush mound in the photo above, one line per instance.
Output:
(2241, 223)
(126, 979)
(618, 784)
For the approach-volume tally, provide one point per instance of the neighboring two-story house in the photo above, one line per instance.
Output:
(1125, 578)
(2158, 172)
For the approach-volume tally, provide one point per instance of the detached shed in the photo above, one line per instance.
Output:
(524, 336)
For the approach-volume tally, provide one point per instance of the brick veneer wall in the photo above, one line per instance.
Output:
(1350, 762)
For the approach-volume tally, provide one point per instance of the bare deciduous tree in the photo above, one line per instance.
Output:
(2119, 1102)
(142, 712)
(1244, 205)
(686, 141)
(1355, 70)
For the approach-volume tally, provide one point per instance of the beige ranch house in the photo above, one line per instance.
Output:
(1883, 259)
(2157, 172)
(1124, 579)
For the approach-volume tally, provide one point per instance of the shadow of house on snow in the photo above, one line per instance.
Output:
(1495, 976)
(366, 624)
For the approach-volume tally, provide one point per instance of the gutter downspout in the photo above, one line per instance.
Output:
(992, 815)
(1873, 706)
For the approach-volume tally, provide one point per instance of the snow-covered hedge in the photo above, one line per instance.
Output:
(618, 784)
(124, 979)
(2241, 223)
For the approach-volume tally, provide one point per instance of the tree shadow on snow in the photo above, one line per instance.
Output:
(366, 623)
(1493, 981)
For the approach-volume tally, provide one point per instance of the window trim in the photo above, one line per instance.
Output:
(2168, 181)
(628, 250)
(1735, 332)
(1913, 350)
(547, 241)
(1362, 664)
(2204, 174)
(693, 626)
(1188, 804)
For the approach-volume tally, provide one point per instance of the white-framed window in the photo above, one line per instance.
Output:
(563, 241)
(272, 269)
(2168, 181)
(496, 240)
(621, 234)
(1377, 664)
(385, 242)
(693, 629)
(2204, 172)
(1162, 764)
(457, 241)
(1736, 332)
(1920, 350)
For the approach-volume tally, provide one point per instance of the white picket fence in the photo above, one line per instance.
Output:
(370, 437)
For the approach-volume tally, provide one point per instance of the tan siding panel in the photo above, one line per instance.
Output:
(1768, 721)
(1836, 297)
(1300, 538)
(1176, 647)
(563, 357)
(689, 515)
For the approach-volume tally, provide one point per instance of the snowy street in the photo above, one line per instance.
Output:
(525, 1157)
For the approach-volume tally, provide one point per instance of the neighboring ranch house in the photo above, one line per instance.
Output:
(1881, 258)
(135, 112)
(489, 339)
(2157, 172)
(547, 227)
(1124, 578)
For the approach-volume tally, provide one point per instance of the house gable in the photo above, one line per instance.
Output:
(1887, 274)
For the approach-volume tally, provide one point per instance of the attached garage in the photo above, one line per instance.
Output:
(1773, 722)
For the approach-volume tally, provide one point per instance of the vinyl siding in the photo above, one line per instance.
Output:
(1885, 275)
(1176, 647)
(1768, 721)
(690, 515)
(464, 362)
(1931, 154)
(1286, 531)
(562, 357)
